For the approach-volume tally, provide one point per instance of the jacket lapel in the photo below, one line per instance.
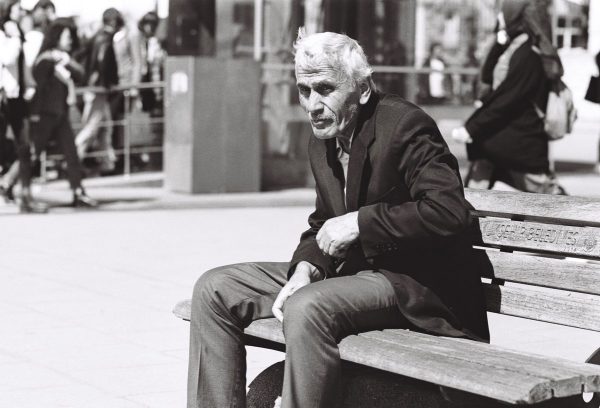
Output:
(364, 136)
(329, 173)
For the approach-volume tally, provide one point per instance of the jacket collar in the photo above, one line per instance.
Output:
(330, 170)
(363, 138)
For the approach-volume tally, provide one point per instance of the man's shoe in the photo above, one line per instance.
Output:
(81, 199)
(30, 206)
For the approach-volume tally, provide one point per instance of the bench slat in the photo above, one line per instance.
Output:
(548, 272)
(568, 240)
(565, 376)
(486, 370)
(535, 376)
(404, 360)
(535, 206)
(483, 371)
(547, 305)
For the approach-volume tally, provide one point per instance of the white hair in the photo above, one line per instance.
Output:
(337, 51)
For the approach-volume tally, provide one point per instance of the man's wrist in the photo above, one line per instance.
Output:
(314, 273)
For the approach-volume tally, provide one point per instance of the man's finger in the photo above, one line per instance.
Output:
(279, 301)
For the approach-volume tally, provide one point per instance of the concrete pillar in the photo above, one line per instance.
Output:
(212, 125)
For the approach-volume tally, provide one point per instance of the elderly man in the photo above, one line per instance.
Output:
(388, 243)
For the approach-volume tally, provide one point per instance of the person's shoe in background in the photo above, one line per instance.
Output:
(7, 194)
(81, 199)
(28, 205)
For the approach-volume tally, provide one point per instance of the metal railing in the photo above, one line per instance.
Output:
(128, 124)
(269, 77)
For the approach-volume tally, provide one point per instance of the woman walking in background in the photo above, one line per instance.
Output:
(54, 72)
(505, 137)
(14, 106)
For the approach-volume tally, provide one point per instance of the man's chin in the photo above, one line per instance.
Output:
(323, 134)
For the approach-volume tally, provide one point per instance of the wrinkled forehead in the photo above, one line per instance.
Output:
(311, 68)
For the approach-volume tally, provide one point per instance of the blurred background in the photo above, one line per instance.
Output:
(209, 94)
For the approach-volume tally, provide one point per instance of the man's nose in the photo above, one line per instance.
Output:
(315, 104)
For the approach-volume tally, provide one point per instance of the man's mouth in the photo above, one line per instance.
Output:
(320, 122)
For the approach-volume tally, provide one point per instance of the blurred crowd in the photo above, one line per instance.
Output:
(51, 70)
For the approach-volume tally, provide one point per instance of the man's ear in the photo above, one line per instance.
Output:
(365, 92)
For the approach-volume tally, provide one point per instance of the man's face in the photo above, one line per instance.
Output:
(332, 105)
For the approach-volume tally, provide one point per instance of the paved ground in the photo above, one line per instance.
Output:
(86, 296)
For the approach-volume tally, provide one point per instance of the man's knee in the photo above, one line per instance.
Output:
(211, 284)
(305, 310)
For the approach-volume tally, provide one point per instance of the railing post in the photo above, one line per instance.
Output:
(43, 169)
(127, 135)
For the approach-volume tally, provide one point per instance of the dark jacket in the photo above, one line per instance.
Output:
(413, 217)
(101, 63)
(506, 129)
(51, 93)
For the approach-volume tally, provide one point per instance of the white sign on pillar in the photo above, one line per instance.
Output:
(179, 83)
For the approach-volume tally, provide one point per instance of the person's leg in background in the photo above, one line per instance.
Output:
(480, 175)
(17, 118)
(118, 112)
(10, 166)
(96, 110)
(66, 138)
(105, 141)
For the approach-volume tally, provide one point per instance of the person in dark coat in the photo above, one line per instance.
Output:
(55, 73)
(505, 136)
(14, 107)
(388, 245)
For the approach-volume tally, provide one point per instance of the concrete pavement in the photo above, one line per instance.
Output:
(86, 295)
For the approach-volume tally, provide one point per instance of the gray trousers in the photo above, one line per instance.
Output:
(227, 299)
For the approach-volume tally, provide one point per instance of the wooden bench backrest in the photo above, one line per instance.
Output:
(547, 250)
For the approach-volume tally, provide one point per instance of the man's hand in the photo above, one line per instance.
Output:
(304, 274)
(337, 234)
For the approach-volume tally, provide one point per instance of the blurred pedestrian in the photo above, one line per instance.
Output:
(54, 72)
(505, 136)
(102, 72)
(128, 57)
(437, 84)
(593, 95)
(14, 106)
(42, 14)
(152, 67)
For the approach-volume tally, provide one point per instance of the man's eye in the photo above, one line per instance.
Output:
(324, 89)
(304, 90)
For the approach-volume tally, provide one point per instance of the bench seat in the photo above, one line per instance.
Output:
(483, 369)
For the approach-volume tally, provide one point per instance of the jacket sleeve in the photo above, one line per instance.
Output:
(76, 70)
(11, 47)
(437, 209)
(516, 93)
(308, 249)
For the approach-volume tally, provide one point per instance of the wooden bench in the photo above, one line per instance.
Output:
(545, 253)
